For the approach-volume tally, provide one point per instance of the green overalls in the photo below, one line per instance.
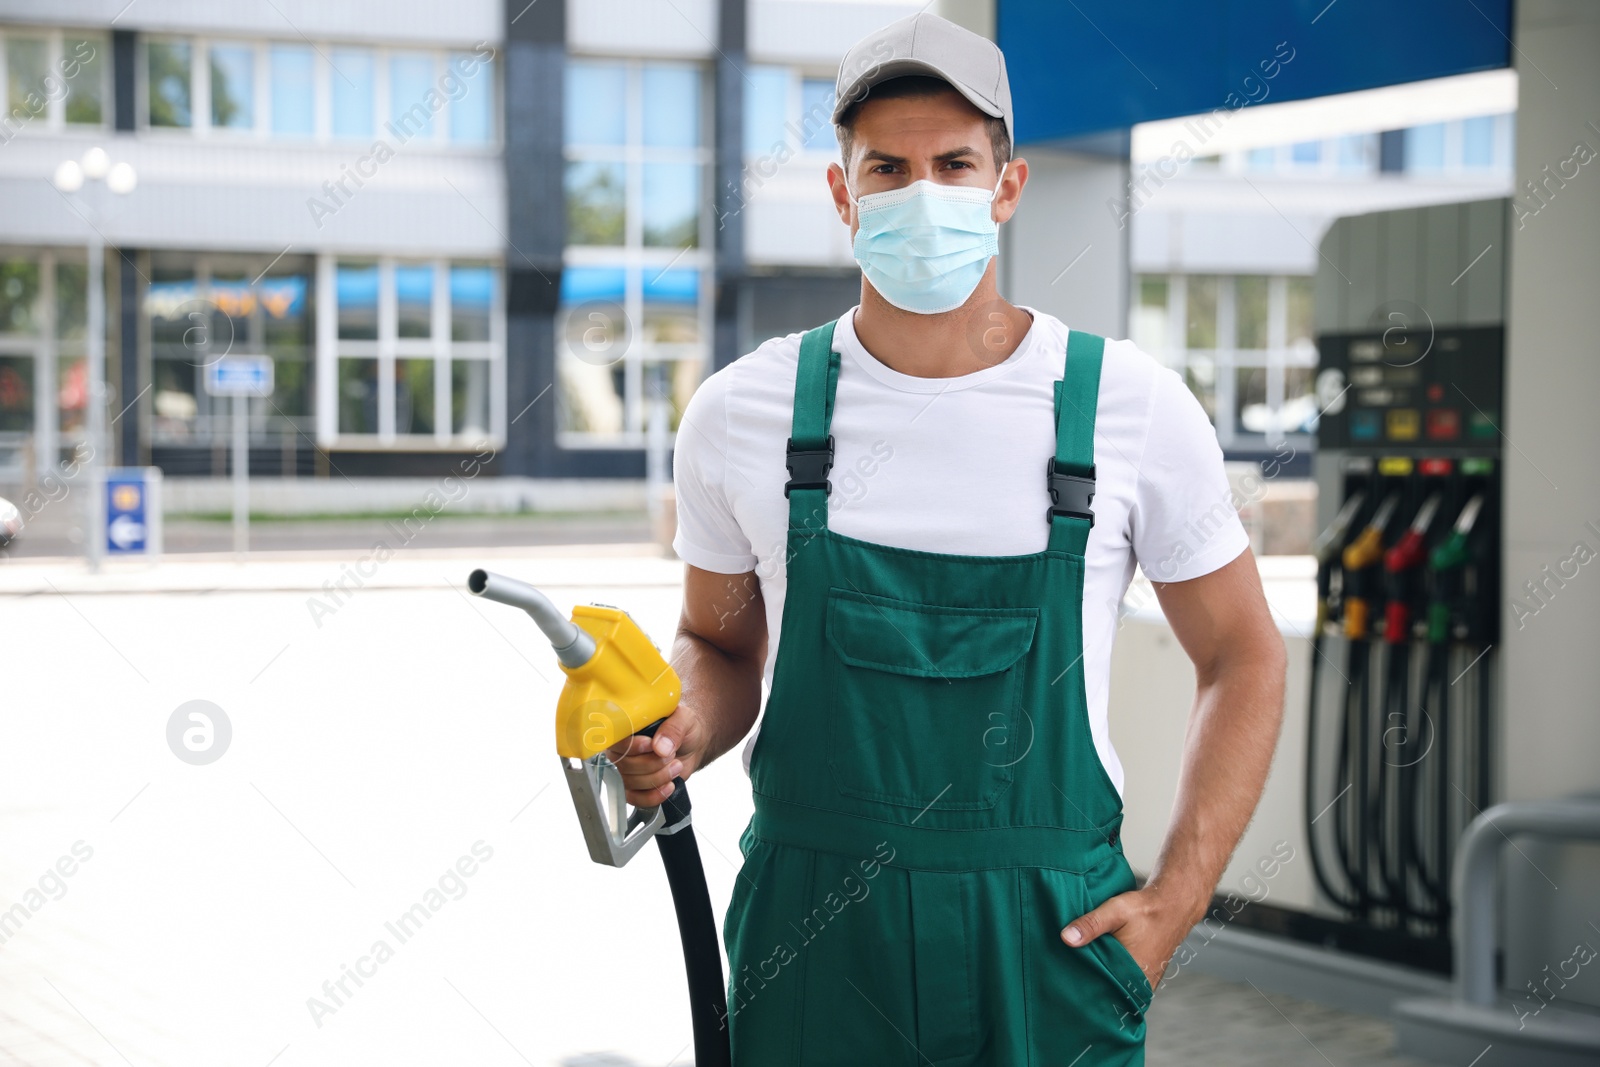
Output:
(930, 810)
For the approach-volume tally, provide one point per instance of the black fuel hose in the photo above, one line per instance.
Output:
(1422, 833)
(1439, 877)
(1358, 814)
(697, 929)
(1311, 812)
(1393, 811)
(697, 926)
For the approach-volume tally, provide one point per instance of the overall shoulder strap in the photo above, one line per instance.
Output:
(810, 448)
(1070, 475)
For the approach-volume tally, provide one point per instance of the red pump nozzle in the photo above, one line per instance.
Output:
(1406, 554)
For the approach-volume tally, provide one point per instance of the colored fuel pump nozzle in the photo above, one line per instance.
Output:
(1326, 551)
(1451, 555)
(1404, 556)
(618, 685)
(1360, 555)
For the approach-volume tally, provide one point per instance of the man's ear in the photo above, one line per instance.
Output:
(1009, 197)
(839, 191)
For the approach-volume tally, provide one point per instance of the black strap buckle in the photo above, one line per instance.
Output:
(808, 467)
(1070, 494)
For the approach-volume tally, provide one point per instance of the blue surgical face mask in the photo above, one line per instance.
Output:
(925, 247)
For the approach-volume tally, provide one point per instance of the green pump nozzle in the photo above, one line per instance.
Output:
(1451, 554)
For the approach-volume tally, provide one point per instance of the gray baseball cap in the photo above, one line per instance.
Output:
(929, 45)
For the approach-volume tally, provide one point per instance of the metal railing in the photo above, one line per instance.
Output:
(1476, 939)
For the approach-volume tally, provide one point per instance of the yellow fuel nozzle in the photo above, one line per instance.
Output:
(623, 688)
(618, 683)
(1360, 555)
(1367, 548)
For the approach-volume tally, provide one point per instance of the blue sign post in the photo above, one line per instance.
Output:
(241, 377)
(133, 512)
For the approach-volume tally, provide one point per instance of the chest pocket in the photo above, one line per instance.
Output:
(922, 699)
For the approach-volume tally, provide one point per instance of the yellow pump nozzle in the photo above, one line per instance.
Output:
(1365, 551)
(624, 687)
(618, 684)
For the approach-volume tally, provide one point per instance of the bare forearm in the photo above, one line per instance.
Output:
(1227, 754)
(724, 690)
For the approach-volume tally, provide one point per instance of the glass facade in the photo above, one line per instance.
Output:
(293, 91)
(632, 331)
(43, 368)
(413, 356)
(1242, 343)
(1459, 147)
(169, 76)
(233, 86)
(353, 91)
(202, 307)
(418, 355)
(296, 90)
(787, 111)
(411, 349)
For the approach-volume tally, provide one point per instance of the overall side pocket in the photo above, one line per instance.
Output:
(1097, 886)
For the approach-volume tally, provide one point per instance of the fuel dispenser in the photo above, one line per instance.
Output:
(1403, 651)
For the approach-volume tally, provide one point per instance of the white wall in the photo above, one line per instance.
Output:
(399, 21)
(1152, 689)
(1063, 252)
(685, 28)
(816, 32)
(255, 195)
(1552, 674)
(1550, 735)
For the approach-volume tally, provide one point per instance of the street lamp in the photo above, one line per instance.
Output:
(120, 179)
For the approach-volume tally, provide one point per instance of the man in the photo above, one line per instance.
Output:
(933, 507)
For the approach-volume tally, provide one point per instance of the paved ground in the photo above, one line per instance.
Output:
(381, 739)
(1201, 1021)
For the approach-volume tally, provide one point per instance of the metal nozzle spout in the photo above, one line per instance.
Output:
(574, 647)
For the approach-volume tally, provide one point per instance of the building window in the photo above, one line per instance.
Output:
(410, 80)
(294, 89)
(200, 308)
(633, 330)
(787, 112)
(1244, 347)
(353, 85)
(1461, 147)
(472, 106)
(26, 66)
(415, 353)
(43, 380)
(293, 92)
(51, 79)
(1425, 147)
(169, 78)
(1355, 153)
(233, 82)
(20, 312)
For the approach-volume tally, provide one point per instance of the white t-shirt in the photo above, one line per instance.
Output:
(957, 465)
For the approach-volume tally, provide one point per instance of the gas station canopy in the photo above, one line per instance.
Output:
(1082, 73)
